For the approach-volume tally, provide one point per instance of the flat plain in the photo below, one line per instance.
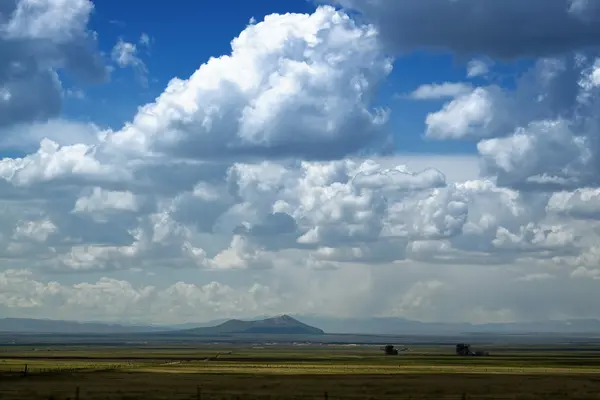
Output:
(206, 371)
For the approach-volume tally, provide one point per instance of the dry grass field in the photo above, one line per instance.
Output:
(295, 372)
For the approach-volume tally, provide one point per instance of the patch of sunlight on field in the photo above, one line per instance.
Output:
(337, 369)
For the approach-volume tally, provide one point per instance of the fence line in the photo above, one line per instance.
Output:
(202, 394)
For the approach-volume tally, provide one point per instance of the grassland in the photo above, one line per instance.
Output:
(297, 372)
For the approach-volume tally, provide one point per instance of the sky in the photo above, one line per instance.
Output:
(436, 160)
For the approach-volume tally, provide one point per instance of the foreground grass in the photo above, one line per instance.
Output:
(144, 385)
(301, 372)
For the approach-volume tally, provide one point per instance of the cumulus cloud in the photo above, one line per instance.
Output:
(38, 19)
(101, 200)
(261, 179)
(340, 202)
(21, 291)
(53, 161)
(540, 134)
(440, 91)
(566, 150)
(582, 203)
(293, 85)
(472, 113)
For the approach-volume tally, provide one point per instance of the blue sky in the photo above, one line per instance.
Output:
(258, 184)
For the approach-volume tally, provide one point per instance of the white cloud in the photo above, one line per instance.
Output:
(53, 161)
(440, 91)
(57, 20)
(581, 203)
(102, 200)
(477, 67)
(470, 114)
(125, 54)
(293, 85)
(34, 230)
(540, 134)
(145, 40)
(111, 299)
(255, 186)
(533, 237)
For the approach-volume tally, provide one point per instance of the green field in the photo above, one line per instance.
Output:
(296, 372)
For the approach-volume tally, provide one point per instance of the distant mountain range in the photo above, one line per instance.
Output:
(395, 326)
(302, 325)
(26, 325)
(283, 324)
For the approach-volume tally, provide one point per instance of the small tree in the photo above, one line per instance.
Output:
(390, 350)
(463, 349)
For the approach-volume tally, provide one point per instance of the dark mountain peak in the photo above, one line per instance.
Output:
(282, 324)
(232, 321)
(281, 319)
